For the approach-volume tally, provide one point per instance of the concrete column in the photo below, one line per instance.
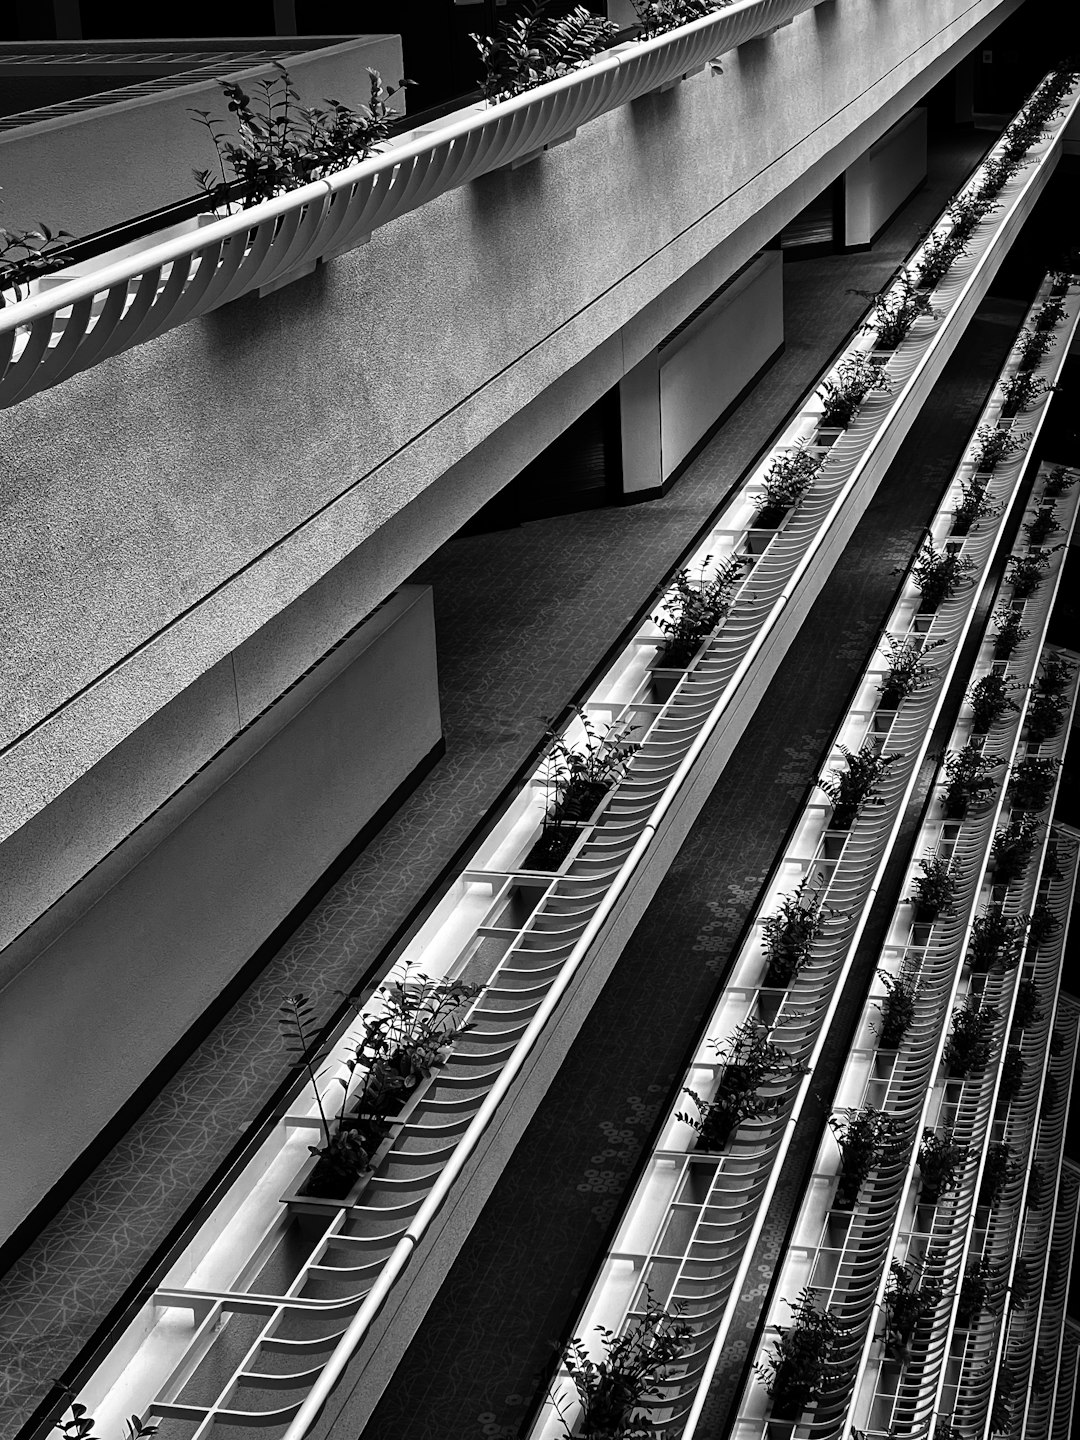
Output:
(639, 407)
(882, 178)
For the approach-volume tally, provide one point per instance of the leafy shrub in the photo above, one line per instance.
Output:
(968, 1046)
(26, 255)
(692, 609)
(935, 889)
(658, 16)
(992, 446)
(1059, 481)
(865, 1139)
(1031, 781)
(1010, 632)
(898, 1008)
(1026, 1010)
(937, 574)
(895, 310)
(786, 482)
(940, 251)
(1044, 523)
(282, 146)
(998, 1169)
(975, 505)
(750, 1060)
(632, 1372)
(1034, 344)
(857, 784)
(1021, 391)
(941, 1161)
(967, 778)
(989, 699)
(789, 933)
(977, 1291)
(908, 1297)
(535, 48)
(800, 1363)
(855, 377)
(996, 940)
(1013, 846)
(1012, 1074)
(907, 672)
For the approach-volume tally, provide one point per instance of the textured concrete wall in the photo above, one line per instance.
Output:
(881, 180)
(136, 970)
(165, 505)
(86, 172)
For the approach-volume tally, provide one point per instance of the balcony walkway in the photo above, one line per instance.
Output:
(523, 617)
(488, 1338)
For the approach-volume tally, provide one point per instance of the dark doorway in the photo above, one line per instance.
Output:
(580, 470)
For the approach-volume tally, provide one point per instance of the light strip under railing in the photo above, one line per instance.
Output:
(750, 1421)
(57, 333)
(703, 696)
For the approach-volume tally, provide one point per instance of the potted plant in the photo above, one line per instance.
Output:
(935, 889)
(857, 784)
(655, 17)
(576, 779)
(968, 779)
(750, 1060)
(1059, 481)
(1010, 632)
(26, 255)
(894, 311)
(1044, 716)
(1059, 282)
(1051, 313)
(976, 1291)
(865, 1139)
(909, 1295)
(941, 1161)
(937, 574)
(855, 377)
(1020, 392)
(1026, 1009)
(897, 1011)
(1012, 1074)
(1031, 781)
(1001, 1417)
(939, 251)
(989, 699)
(1055, 676)
(693, 608)
(967, 1048)
(975, 505)
(535, 48)
(1034, 345)
(80, 1426)
(785, 483)
(282, 146)
(1036, 1187)
(1012, 848)
(788, 934)
(998, 1168)
(996, 940)
(1044, 523)
(798, 1366)
(1042, 924)
(632, 1371)
(992, 446)
(399, 1045)
(907, 672)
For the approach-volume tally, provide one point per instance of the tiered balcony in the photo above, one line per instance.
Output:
(689, 1230)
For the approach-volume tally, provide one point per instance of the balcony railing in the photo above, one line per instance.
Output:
(75, 323)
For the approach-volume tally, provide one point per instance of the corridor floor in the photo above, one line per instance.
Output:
(523, 617)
